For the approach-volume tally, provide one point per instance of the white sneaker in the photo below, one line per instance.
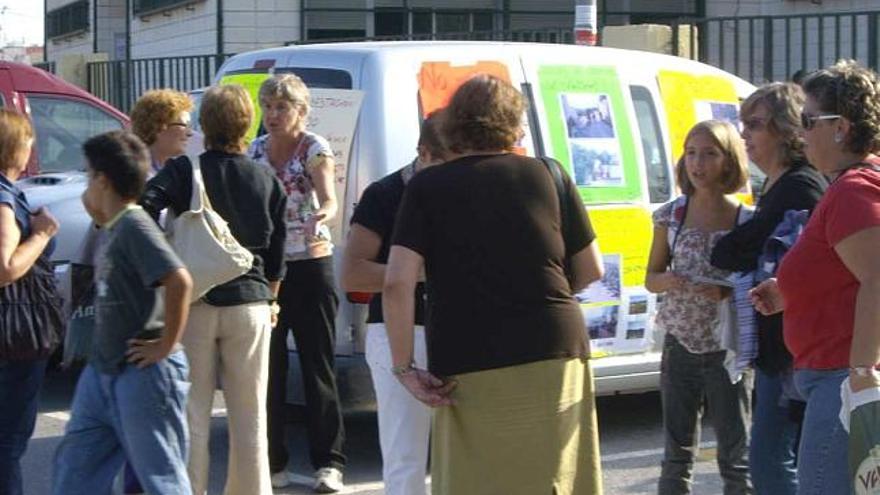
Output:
(281, 479)
(328, 480)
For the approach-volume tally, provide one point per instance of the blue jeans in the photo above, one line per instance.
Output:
(19, 389)
(690, 383)
(823, 464)
(772, 454)
(139, 414)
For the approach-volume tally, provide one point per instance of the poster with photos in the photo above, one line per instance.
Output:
(618, 318)
(592, 140)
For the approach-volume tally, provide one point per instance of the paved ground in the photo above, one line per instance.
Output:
(631, 441)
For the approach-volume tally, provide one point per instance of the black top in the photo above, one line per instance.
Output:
(488, 228)
(799, 188)
(251, 200)
(377, 211)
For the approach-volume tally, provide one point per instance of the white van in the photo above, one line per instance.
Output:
(616, 120)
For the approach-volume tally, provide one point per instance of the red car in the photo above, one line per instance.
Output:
(64, 117)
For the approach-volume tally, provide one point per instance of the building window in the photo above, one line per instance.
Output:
(141, 7)
(72, 18)
(390, 22)
(422, 22)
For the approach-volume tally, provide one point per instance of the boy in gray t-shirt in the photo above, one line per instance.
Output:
(130, 400)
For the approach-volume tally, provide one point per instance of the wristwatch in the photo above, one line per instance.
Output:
(864, 370)
(402, 369)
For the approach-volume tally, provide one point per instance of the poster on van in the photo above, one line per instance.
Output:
(590, 132)
(617, 317)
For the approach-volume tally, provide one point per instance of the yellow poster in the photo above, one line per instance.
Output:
(686, 96)
(627, 232)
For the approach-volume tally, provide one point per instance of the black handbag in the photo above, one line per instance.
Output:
(31, 323)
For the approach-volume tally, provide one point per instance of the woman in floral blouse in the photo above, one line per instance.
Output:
(303, 161)
(692, 367)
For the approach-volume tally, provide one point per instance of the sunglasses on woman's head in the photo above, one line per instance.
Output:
(809, 121)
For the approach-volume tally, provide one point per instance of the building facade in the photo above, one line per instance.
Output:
(168, 28)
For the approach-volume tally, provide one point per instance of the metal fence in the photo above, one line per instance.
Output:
(757, 48)
(769, 48)
(120, 83)
(46, 66)
(551, 35)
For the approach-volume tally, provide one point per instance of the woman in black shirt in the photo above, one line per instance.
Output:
(770, 118)
(506, 340)
(227, 334)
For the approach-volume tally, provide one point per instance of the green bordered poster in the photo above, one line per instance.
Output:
(590, 131)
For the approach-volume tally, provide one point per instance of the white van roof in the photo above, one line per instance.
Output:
(352, 54)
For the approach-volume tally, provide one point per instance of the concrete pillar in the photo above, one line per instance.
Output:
(650, 37)
(72, 67)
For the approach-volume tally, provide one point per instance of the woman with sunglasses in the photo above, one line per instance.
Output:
(829, 282)
(693, 376)
(771, 130)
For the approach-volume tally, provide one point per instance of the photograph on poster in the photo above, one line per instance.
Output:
(608, 288)
(596, 162)
(635, 330)
(713, 110)
(601, 321)
(590, 132)
(587, 115)
(638, 304)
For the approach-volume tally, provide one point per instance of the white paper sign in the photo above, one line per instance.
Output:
(334, 115)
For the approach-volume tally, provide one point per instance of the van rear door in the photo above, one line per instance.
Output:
(585, 117)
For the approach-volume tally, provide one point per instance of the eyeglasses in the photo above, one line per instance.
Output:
(809, 121)
(179, 124)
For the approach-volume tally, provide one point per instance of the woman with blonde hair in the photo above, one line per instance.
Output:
(26, 240)
(692, 372)
(228, 330)
(506, 341)
(303, 161)
(829, 281)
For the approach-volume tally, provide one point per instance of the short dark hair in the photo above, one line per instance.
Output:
(123, 158)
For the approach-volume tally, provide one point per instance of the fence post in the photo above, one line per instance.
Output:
(768, 49)
(872, 40)
(676, 48)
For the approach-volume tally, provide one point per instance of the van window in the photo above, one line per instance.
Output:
(320, 78)
(62, 126)
(656, 165)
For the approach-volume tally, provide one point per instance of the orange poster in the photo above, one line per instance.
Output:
(439, 80)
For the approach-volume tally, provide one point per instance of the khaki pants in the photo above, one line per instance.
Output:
(231, 342)
(528, 429)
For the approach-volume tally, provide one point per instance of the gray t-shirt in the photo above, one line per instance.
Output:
(128, 303)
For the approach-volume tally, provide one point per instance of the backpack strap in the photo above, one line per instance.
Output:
(555, 170)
